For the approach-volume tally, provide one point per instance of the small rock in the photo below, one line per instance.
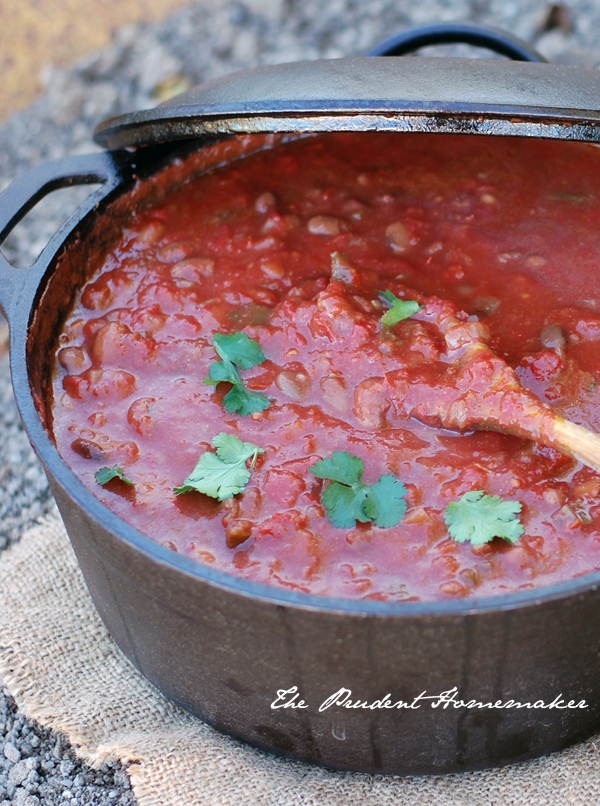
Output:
(19, 773)
(66, 766)
(23, 798)
(46, 791)
(122, 779)
(11, 752)
(79, 780)
(558, 16)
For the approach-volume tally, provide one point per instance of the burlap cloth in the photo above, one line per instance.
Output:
(63, 669)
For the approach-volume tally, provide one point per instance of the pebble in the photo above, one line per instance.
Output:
(11, 752)
(23, 798)
(18, 773)
(66, 766)
(200, 42)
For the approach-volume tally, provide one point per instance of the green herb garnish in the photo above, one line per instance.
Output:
(479, 518)
(106, 474)
(347, 499)
(238, 352)
(224, 474)
(401, 309)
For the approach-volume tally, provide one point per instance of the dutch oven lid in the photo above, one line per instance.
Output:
(479, 96)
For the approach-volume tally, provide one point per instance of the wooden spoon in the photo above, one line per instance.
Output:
(473, 389)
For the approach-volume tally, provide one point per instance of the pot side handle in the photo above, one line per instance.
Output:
(452, 33)
(26, 191)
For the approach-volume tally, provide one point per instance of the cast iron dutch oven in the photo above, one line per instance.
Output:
(224, 647)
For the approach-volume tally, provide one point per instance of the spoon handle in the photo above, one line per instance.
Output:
(577, 442)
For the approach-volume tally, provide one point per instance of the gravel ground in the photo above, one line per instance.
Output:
(145, 65)
(38, 767)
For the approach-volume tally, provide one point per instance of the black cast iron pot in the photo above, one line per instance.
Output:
(221, 646)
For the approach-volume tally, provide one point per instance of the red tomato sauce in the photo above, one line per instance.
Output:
(506, 230)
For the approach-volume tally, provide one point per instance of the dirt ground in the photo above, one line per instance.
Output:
(35, 33)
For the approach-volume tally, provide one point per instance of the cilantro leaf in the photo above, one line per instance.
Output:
(239, 349)
(479, 518)
(386, 504)
(223, 474)
(223, 371)
(344, 505)
(401, 309)
(342, 467)
(106, 474)
(231, 449)
(244, 402)
(216, 478)
(347, 499)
